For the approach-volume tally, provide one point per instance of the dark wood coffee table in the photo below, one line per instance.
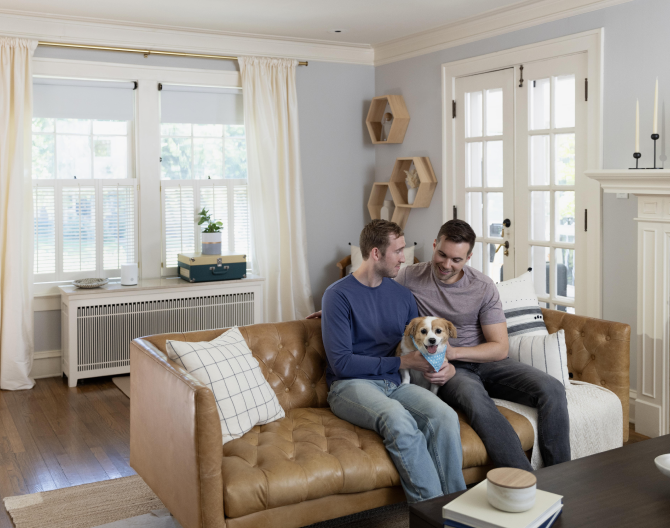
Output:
(618, 488)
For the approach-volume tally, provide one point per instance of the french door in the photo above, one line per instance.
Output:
(521, 178)
(486, 160)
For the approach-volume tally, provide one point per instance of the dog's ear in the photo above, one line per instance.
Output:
(411, 327)
(451, 329)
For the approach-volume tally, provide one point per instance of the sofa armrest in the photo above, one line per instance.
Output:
(598, 352)
(175, 437)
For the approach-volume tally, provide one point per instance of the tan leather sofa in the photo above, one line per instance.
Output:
(310, 466)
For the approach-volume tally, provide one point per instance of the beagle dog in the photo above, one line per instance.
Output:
(429, 335)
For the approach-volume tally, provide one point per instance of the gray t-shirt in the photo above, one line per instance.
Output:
(469, 303)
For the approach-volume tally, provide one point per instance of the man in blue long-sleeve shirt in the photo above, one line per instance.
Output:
(364, 317)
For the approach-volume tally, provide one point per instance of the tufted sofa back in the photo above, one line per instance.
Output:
(598, 353)
(291, 356)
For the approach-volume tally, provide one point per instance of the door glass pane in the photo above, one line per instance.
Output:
(494, 163)
(539, 160)
(43, 156)
(539, 261)
(473, 114)
(565, 216)
(565, 272)
(476, 259)
(495, 262)
(473, 211)
(494, 112)
(539, 104)
(568, 309)
(494, 213)
(175, 158)
(473, 165)
(564, 100)
(540, 219)
(565, 159)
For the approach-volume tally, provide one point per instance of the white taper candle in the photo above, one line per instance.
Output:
(637, 126)
(655, 130)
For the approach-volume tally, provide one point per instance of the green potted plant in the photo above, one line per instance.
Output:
(211, 233)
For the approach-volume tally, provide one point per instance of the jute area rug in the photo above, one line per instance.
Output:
(128, 502)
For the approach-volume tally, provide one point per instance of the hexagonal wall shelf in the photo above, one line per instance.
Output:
(376, 119)
(427, 185)
(398, 188)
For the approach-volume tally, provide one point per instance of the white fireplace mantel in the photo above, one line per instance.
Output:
(652, 187)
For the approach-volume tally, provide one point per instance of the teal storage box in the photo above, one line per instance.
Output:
(196, 267)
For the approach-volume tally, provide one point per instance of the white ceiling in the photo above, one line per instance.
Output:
(368, 22)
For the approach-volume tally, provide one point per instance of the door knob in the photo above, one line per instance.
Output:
(506, 246)
(506, 222)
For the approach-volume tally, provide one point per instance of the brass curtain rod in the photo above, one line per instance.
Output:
(146, 53)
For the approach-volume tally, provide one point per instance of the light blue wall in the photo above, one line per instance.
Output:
(636, 44)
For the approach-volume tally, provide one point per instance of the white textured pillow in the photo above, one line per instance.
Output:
(243, 396)
(544, 352)
(522, 310)
(357, 257)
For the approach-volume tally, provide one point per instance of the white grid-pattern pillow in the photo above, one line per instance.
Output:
(243, 396)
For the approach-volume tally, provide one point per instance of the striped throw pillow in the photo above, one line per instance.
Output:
(522, 310)
(544, 352)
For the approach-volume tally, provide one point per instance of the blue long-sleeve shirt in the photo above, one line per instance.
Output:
(362, 326)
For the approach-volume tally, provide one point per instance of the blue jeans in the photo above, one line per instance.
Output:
(472, 388)
(420, 432)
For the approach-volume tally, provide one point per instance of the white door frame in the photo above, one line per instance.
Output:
(590, 42)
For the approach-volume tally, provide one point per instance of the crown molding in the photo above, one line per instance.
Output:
(80, 30)
(497, 22)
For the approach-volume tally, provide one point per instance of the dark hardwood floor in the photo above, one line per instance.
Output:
(53, 437)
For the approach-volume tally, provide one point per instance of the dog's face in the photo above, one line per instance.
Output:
(430, 332)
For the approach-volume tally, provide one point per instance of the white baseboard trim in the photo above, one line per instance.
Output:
(631, 406)
(46, 364)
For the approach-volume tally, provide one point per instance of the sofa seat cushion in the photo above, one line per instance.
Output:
(306, 455)
(311, 453)
(474, 452)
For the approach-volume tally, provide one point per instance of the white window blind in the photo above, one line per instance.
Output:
(79, 240)
(118, 215)
(178, 221)
(44, 206)
(84, 193)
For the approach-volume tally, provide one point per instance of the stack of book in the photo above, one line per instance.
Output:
(472, 510)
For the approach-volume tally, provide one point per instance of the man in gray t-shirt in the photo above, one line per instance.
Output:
(446, 287)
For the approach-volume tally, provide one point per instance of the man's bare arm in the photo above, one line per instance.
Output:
(495, 348)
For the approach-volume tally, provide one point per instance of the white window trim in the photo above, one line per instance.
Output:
(147, 139)
(590, 42)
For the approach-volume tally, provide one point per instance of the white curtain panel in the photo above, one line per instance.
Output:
(16, 214)
(275, 186)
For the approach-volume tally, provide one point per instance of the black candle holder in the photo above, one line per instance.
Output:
(655, 137)
(637, 157)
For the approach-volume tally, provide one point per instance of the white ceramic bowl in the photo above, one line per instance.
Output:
(663, 464)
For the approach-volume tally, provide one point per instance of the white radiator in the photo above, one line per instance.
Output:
(98, 325)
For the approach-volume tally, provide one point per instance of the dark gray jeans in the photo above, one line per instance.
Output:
(471, 390)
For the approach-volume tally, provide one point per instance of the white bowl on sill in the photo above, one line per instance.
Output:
(663, 464)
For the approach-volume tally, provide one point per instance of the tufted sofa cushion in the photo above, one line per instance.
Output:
(312, 454)
(598, 353)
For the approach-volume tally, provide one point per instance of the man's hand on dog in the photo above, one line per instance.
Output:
(415, 361)
(443, 375)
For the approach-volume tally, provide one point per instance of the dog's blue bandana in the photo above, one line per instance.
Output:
(435, 359)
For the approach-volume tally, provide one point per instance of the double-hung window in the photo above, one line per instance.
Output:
(203, 166)
(84, 190)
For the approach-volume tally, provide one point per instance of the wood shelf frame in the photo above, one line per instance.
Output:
(375, 118)
(398, 188)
